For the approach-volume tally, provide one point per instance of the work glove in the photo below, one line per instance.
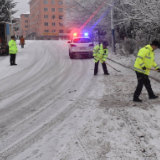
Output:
(144, 68)
(158, 69)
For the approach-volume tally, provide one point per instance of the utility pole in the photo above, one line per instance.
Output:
(99, 39)
(113, 34)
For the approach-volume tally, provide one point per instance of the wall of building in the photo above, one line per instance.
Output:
(24, 24)
(46, 18)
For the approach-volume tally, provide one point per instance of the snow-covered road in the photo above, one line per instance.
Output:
(53, 108)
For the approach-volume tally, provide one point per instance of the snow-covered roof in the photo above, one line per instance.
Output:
(28, 12)
(6, 22)
(16, 16)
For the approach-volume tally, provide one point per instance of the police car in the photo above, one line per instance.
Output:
(80, 46)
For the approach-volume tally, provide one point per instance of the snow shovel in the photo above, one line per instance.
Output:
(109, 65)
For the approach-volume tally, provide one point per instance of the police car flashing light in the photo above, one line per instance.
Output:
(76, 34)
(85, 34)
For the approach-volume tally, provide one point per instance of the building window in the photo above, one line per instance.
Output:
(60, 2)
(45, 2)
(46, 24)
(60, 17)
(53, 9)
(53, 17)
(26, 16)
(52, 2)
(60, 9)
(46, 31)
(46, 16)
(45, 9)
(26, 21)
(60, 31)
(68, 31)
(60, 24)
(53, 31)
(53, 24)
(26, 26)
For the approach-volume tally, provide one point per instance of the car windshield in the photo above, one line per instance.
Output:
(81, 40)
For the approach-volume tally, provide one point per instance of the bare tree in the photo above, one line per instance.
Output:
(138, 20)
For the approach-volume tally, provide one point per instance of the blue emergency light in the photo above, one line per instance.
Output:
(86, 34)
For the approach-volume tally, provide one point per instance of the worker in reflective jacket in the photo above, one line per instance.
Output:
(144, 62)
(100, 53)
(12, 50)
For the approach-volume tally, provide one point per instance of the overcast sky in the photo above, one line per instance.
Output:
(22, 7)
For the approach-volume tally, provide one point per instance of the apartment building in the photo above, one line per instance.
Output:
(46, 19)
(24, 24)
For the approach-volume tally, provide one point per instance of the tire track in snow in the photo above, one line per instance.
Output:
(39, 133)
(45, 126)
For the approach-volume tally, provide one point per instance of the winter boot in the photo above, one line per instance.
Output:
(153, 97)
(136, 99)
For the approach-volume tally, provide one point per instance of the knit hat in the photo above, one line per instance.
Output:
(105, 43)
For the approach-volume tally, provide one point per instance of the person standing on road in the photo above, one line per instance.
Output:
(144, 61)
(12, 50)
(22, 42)
(100, 53)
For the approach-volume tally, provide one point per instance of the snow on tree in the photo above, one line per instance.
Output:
(88, 15)
(6, 10)
(135, 19)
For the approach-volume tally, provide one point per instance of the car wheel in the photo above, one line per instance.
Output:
(71, 57)
(69, 53)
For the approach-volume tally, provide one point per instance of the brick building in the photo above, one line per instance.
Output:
(46, 19)
(24, 24)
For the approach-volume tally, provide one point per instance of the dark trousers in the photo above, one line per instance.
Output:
(103, 66)
(22, 45)
(143, 80)
(12, 58)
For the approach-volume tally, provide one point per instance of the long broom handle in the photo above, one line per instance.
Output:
(107, 64)
(152, 69)
(146, 68)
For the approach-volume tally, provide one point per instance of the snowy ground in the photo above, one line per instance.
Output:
(53, 108)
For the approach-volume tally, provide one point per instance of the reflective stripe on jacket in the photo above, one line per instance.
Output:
(12, 47)
(100, 53)
(145, 58)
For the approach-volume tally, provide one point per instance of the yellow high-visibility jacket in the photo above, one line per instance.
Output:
(145, 58)
(100, 53)
(12, 47)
